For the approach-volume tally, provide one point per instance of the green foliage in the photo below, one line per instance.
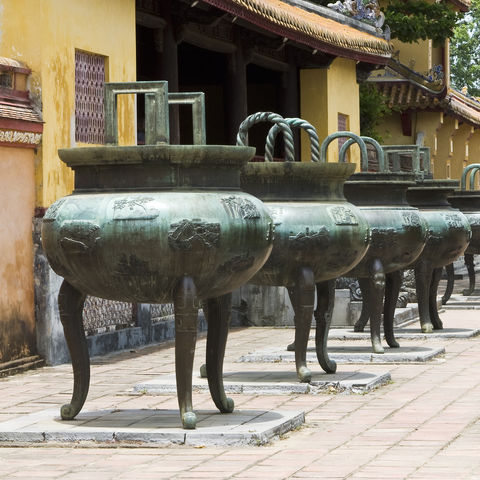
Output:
(373, 107)
(465, 52)
(413, 20)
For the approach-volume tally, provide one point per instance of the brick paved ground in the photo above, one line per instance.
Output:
(423, 425)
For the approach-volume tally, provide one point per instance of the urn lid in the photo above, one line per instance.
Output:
(401, 179)
(428, 193)
(157, 164)
(446, 185)
(114, 168)
(466, 200)
(295, 181)
(378, 188)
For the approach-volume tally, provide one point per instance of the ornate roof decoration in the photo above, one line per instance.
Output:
(369, 12)
(309, 28)
(407, 89)
(19, 112)
(20, 124)
(11, 64)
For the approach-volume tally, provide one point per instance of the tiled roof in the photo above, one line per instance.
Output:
(409, 90)
(463, 5)
(309, 28)
(463, 106)
(9, 62)
(19, 112)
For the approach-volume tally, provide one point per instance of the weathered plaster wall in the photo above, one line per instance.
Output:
(459, 160)
(43, 34)
(17, 187)
(417, 56)
(324, 93)
(392, 133)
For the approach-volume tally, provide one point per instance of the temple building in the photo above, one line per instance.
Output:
(291, 57)
(427, 110)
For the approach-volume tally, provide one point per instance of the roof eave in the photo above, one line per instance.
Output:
(300, 37)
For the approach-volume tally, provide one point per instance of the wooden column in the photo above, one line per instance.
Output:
(289, 100)
(289, 95)
(167, 65)
(235, 92)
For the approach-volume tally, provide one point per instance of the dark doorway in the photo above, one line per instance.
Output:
(201, 70)
(263, 93)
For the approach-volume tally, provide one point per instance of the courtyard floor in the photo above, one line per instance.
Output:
(423, 424)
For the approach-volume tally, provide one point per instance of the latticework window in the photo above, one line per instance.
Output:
(89, 95)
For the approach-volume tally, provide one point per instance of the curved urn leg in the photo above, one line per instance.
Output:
(374, 286)
(302, 296)
(291, 294)
(365, 312)
(432, 299)
(217, 311)
(393, 282)
(323, 318)
(469, 263)
(186, 314)
(423, 279)
(70, 305)
(450, 282)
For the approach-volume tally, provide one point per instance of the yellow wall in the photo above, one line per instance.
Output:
(17, 321)
(461, 134)
(417, 56)
(43, 34)
(324, 93)
(474, 147)
(392, 133)
(428, 123)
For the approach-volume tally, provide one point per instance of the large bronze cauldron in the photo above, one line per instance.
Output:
(468, 202)
(398, 235)
(318, 236)
(449, 233)
(155, 224)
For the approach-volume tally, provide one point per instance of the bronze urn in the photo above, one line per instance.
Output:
(319, 235)
(449, 234)
(468, 202)
(156, 223)
(398, 235)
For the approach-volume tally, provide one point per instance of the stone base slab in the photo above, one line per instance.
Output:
(275, 383)
(462, 302)
(407, 333)
(349, 354)
(149, 428)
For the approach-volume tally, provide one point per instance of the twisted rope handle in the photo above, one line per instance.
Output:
(354, 138)
(463, 183)
(294, 122)
(242, 136)
(382, 167)
(472, 177)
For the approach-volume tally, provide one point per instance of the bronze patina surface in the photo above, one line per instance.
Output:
(449, 234)
(468, 202)
(157, 223)
(398, 235)
(318, 236)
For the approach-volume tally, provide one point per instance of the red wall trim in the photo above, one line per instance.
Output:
(23, 125)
